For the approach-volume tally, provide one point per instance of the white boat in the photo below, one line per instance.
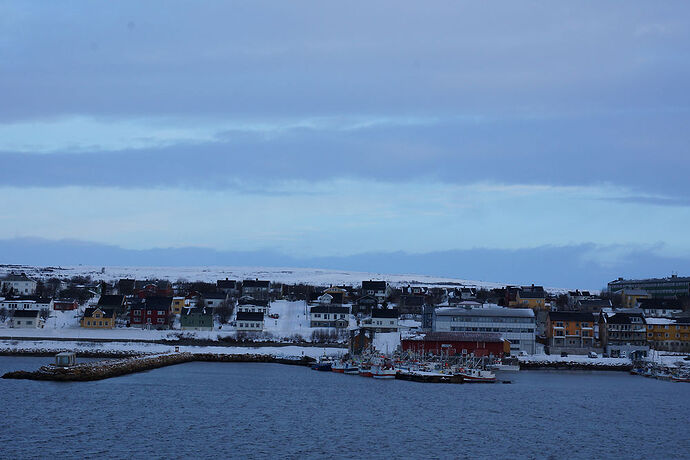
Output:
(383, 371)
(504, 367)
(470, 375)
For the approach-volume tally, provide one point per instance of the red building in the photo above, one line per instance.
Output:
(455, 343)
(153, 312)
(65, 305)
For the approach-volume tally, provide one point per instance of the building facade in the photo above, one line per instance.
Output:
(457, 343)
(517, 325)
(670, 287)
(329, 316)
(622, 334)
(571, 330)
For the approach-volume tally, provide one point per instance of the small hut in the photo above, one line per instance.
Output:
(65, 359)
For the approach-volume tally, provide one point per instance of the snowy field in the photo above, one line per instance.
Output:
(314, 276)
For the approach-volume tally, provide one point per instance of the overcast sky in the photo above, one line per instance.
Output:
(330, 130)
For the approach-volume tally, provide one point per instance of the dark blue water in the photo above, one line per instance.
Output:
(218, 410)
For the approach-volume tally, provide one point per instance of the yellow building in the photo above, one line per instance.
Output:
(178, 305)
(533, 300)
(98, 319)
(629, 297)
(668, 334)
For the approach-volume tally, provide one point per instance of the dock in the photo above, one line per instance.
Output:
(105, 369)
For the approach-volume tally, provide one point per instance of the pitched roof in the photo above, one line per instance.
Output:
(16, 277)
(660, 304)
(110, 300)
(158, 302)
(373, 285)
(216, 295)
(226, 284)
(26, 313)
(384, 313)
(249, 316)
(107, 312)
(571, 316)
(625, 318)
(595, 303)
(329, 309)
(256, 283)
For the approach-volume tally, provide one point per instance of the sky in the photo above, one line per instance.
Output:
(521, 142)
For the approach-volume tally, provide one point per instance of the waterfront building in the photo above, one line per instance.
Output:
(329, 316)
(669, 334)
(455, 343)
(98, 318)
(669, 287)
(517, 325)
(18, 284)
(196, 319)
(249, 321)
(621, 334)
(571, 330)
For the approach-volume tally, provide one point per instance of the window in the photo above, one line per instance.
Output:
(317, 315)
(160, 320)
(100, 323)
(88, 323)
(161, 312)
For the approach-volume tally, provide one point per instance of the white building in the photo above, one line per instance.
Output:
(18, 304)
(517, 325)
(19, 284)
(26, 319)
(382, 320)
(214, 299)
(249, 321)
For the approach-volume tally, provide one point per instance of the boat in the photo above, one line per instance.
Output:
(325, 363)
(470, 375)
(345, 367)
(365, 370)
(504, 367)
(383, 371)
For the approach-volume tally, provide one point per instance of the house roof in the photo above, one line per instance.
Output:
(384, 313)
(26, 313)
(660, 304)
(495, 312)
(624, 318)
(216, 295)
(110, 300)
(249, 316)
(602, 303)
(373, 285)
(329, 309)
(198, 311)
(571, 316)
(16, 277)
(107, 312)
(256, 283)
(226, 284)
(458, 337)
(158, 302)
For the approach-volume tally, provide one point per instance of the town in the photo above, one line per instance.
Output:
(629, 319)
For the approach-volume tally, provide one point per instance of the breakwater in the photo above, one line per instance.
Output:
(113, 368)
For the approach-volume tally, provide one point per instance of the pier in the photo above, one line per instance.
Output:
(100, 370)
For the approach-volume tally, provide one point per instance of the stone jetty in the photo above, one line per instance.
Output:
(100, 370)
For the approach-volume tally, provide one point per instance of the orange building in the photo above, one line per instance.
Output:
(570, 329)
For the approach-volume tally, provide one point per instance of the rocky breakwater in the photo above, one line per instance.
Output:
(101, 369)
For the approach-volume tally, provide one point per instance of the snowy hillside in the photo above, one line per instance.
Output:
(320, 277)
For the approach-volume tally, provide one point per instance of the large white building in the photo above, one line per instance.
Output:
(18, 284)
(517, 325)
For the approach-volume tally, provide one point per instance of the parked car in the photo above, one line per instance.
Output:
(564, 354)
(592, 354)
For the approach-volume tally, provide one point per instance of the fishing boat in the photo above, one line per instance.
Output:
(344, 366)
(383, 371)
(470, 375)
(325, 363)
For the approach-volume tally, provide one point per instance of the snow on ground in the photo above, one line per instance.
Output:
(574, 359)
(386, 342)
(139, 347)
(315, 276)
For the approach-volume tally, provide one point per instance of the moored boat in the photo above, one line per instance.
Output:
(470, 375)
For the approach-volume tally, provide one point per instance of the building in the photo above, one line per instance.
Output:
(41, 302)
(214, 299)
(228, 286)
(630, 297)
(667, 288)
(178, 305)
(26, 319)
(517, 325)
(329, 316)
(592, 305)
(668, 334)
(126, 286)
(98, 318)
(623, 333)
(338, 295)
(571, 330)
(113, 302)
(17, 284)
(256, 289)
(457, 343)
(196, 319)
(530, 297)
(65, 304)
(412, 304)
(660, 308)
(18, 304)
(249, 321)
(251, 305)
(151, 312)
(382, 320)
(379, 289)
